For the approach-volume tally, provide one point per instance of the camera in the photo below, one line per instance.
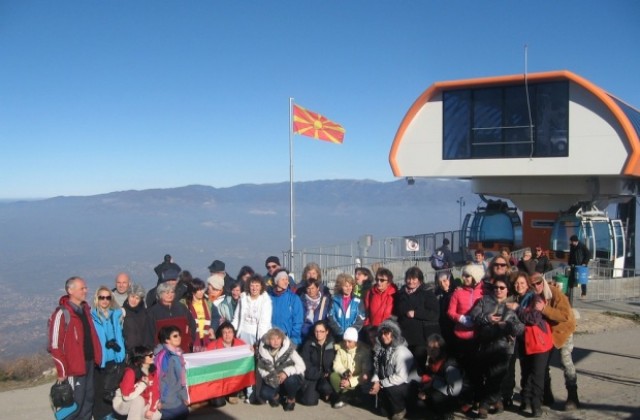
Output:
(113, 345)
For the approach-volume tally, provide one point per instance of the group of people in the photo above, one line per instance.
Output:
(369, 341)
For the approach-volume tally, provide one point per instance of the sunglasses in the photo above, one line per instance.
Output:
(149, 355)
(500, 287)
(500, 265)
(381, 280)
(538, 283)
(175, 335)
(104, 297)
(466, 275)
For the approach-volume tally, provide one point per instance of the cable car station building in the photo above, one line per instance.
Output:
(549, 142)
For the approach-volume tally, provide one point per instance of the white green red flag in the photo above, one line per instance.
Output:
(216, 373)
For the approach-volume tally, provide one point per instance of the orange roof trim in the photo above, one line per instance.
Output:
(632, 165)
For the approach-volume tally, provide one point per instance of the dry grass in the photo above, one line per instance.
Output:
(26, 372)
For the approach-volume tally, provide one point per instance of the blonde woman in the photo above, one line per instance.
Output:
(107, 318)
(346, 310)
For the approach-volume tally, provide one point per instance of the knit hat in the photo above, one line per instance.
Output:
(474, 270)
(351, 334)
(216, 281)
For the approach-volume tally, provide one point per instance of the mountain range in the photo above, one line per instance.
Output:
(43, 242)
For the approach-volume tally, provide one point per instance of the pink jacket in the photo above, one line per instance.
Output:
(462, 301)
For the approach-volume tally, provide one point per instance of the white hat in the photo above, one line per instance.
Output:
(474, 270)
(216, 281)
(351, 334)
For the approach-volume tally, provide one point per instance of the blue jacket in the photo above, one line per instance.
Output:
(109, 329)
(287, 314)
(340, 320)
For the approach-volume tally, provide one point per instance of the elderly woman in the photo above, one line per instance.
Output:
(315, 305)
(168, 311)
(346, 310)
(392, 362)
(107, 319)
(225, 338)
(136, 328)
(351, 368)
(317, 353)
(418, 311)
(281, 369)
(497, 326)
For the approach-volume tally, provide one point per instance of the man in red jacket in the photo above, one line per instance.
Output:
(74, 345)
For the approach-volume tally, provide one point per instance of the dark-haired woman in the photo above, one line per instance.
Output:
(200, 311)
(171, 375)
(244, 275)
(137, 396)
(316, 306)
(318, 353)
(418, 310)
(497, 328)
(225, 338)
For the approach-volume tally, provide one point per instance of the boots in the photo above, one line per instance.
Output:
(547, 398)
(573, 402)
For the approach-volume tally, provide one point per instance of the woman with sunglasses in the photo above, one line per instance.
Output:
(137, 396)
(171, 375)
(466, 344)
(530, 302)
(107, 318)
(496, 328)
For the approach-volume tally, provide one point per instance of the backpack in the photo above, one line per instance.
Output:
(437, 260)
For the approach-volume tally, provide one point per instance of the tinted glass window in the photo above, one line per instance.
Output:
(506, 122)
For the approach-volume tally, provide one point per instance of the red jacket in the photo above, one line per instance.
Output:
(150, 393)
(66, 340)
(378, 305)
(218, 344)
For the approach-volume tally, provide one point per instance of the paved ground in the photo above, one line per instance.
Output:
(607, 357)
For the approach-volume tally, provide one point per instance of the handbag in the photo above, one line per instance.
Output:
(61, 394)
(537, 340)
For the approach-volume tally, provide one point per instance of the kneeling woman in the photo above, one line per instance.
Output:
(281, 369)
(137, 396)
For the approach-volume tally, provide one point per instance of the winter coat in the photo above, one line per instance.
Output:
(528, 266)
(559, 313)
(177, 311)
(171, 374)
(287, 314)
(136, 327)
(444, 376)
(286, 360)
(392, 364)
(131, 389)
(252, 318)
(378, 305)
(66, 339)
(356, 360)
(462, 300)
(495, 338)
(108, 329)
(341, 319)
(318, 358)
(426, 309)
(228, 308)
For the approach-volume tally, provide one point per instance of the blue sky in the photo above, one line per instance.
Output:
(101, 96)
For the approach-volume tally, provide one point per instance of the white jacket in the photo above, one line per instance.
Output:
(252, 318)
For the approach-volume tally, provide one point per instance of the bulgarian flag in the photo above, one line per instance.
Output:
(216, 373)
(311, 124)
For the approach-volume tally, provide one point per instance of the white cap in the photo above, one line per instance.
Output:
(351, 334)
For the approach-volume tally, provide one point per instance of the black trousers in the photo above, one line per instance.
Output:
(311, 391)
(394, 398)
(534, 367)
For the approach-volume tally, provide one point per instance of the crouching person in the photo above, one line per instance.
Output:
(392, 362)
(441, 380)
(137, 396)
(317, 353)
(281, 369)
(351, 369)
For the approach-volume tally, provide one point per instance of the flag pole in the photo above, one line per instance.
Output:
(291, 201)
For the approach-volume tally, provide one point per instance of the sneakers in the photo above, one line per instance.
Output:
(339, 404)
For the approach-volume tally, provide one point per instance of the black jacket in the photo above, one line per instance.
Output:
(427, 312)
(317, 359)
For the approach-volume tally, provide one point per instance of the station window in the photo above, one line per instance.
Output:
(499, 122)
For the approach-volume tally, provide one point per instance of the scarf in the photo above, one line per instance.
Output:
(311, 304)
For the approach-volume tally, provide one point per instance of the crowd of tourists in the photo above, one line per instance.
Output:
(389, 346)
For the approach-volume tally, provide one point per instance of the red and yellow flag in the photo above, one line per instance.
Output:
(312, 124)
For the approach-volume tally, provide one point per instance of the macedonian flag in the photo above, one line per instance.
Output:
(312, 124)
